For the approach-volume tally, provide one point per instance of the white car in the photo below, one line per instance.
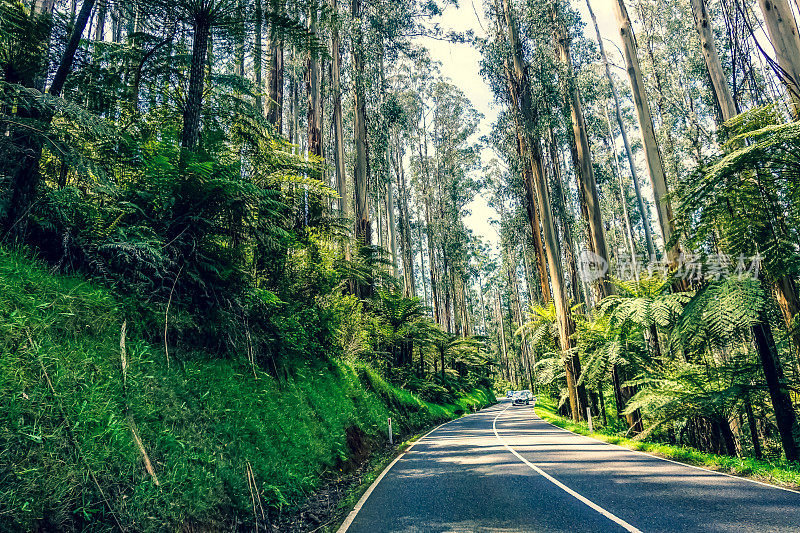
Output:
(529, 394)
(510, 394)
(520, 398)
(526, 396)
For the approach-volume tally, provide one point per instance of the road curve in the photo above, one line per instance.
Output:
(504, 469)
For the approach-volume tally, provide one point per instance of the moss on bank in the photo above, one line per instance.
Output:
(210, 427)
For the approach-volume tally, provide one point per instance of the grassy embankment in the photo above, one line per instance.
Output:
(776, 472)
(97, 436)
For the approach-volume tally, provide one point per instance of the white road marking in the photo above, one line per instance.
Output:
(352, 515)
(614, 518)
(653, 456)
(625, 525)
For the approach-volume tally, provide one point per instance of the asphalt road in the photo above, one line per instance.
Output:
(504, 469)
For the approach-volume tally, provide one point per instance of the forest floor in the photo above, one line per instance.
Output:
(779, 472)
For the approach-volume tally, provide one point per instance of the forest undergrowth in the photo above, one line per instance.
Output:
(97, 432)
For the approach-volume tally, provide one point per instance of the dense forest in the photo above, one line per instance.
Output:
(262, 190)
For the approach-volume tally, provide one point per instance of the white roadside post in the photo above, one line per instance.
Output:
(589, 419)
(391, 440)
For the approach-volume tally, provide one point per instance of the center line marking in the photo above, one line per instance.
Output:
(611, 516)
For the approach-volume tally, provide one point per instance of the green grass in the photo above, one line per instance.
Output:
(778, 472)
(68, 459)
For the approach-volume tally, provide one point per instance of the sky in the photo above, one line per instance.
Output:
(461, 63)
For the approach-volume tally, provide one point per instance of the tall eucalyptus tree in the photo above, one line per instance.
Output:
(655, 164)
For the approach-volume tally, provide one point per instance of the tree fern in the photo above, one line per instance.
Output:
(720, 314)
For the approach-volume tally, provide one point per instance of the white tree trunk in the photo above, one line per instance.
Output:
(590, 198)
(643, 213)
(719, 81)
(782, 31)
(655, 164)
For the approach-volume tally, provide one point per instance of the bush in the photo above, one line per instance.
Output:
(432, 392)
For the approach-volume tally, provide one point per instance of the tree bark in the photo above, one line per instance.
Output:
(502, 333)
(43, 7)
(390, 221)
(652, 153)
(786, 295)
(624, 394)
(275, 103)
(643, 213)
(68, 57)
(426, 195)
(781, 402)
(602, 403)
(435, 290)
(258, 53)
(782, 30)
(530, 285)
(446, 284)
(516, 310)
(194, 96)
(363, 230)
(314, 92)
(406, 249)
(785, 289)
(751, 422)
(569, 242)
(527, 180)
(623, 199)
(426, 300)
(590, 198)
(521, 85)
(100, 29)
(338, 129)
(27, 178)
(483, 304)
(239, 37)
(533, 216)
(719, 82)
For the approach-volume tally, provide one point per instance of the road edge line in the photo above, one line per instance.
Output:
(654, 456)
(583, 499)
(361, 501)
